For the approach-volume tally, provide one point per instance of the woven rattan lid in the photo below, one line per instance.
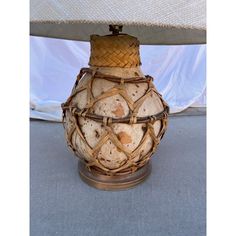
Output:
(152, 22)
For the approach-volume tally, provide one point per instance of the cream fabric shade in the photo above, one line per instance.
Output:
(151, 21)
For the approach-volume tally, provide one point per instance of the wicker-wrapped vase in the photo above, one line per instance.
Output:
(114, 118)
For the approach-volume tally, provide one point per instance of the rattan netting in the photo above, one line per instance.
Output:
(129, 165)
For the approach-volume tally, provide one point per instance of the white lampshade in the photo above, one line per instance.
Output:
(152, 21)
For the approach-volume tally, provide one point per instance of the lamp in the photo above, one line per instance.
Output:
(114, 118)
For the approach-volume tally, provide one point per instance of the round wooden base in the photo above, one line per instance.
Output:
(105, 182)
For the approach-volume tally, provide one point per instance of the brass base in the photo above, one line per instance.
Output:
(105, 182)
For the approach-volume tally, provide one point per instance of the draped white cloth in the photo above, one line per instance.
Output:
(179, 72)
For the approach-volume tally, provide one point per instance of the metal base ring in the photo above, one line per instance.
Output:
(105, 182)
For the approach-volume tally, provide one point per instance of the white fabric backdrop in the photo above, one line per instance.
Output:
(179, 72)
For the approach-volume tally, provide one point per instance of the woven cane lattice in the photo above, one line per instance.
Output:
(114, 51)
(91, 154)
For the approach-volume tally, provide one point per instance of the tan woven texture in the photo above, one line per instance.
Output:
(152, 21)
(72, 116)
(114, 51)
